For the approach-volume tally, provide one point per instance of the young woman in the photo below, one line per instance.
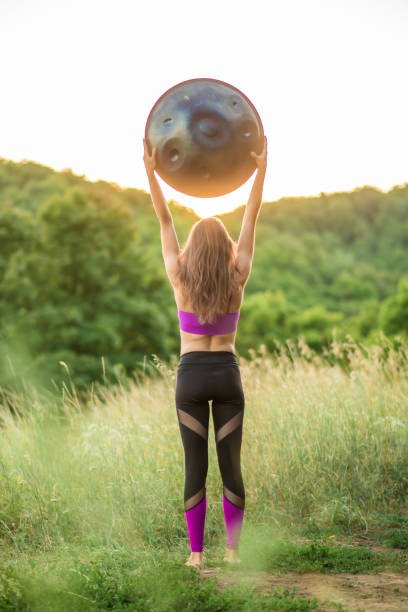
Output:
(208, 277)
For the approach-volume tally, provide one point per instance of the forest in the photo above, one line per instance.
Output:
(84, 295)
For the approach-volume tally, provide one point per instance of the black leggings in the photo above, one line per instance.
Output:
(203, 376)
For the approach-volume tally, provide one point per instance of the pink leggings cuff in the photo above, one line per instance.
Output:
(233, 517)
(195, 519)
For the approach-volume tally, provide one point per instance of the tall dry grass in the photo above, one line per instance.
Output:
(323, 443)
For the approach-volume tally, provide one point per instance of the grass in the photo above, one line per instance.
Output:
(110, 578)
(265, 551)
(91, 507)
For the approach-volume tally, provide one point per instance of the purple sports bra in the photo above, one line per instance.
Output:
(224, 324)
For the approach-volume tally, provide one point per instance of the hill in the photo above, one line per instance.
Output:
(82, 281)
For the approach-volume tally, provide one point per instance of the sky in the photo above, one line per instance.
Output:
(328, 78)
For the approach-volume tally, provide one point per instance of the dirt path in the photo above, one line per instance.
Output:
(385, 591)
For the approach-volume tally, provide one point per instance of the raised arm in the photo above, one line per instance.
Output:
(160, 205)
(246, 240)
(170, 245)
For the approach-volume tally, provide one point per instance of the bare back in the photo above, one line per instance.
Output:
(243, 266)
(217, 342)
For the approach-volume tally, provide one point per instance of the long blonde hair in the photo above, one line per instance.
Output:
(206, 271)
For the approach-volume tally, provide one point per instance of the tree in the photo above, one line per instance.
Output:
(394, 311)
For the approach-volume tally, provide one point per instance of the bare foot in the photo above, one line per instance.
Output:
(231, 556)
(195, 560)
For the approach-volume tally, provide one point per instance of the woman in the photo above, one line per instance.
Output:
(208, 277)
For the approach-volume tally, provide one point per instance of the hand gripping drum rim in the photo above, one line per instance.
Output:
(204, 130)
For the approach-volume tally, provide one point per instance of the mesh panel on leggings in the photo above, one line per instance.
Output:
(203, 376)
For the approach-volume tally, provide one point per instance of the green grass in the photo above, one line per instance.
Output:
(91, 504)
(72, 578)
(116, 579)
(267, 553)
(397, 538)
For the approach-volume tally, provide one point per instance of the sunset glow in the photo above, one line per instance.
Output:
(327, 78)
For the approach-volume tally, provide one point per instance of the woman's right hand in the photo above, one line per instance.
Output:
(261, 159)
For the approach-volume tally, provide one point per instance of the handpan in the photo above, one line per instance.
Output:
(204, 131)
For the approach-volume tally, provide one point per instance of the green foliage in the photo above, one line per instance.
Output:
(117, 579)
(272, 318)
(281, 555)
(77, 285)
(82, 279)
(394, 311)
(398, 538)
(91, 510)
(265, 316)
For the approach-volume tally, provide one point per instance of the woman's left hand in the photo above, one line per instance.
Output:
(261, 159)
(149, 160)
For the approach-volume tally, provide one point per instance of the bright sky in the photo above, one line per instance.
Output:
(328, 77)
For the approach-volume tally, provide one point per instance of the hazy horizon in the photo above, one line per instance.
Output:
(124, 187)
(328, 80)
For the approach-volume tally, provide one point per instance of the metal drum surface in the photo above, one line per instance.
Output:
(204, 131)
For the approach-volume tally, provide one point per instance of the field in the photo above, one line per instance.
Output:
(91, 508)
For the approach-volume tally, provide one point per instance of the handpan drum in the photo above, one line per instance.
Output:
(204, 131)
